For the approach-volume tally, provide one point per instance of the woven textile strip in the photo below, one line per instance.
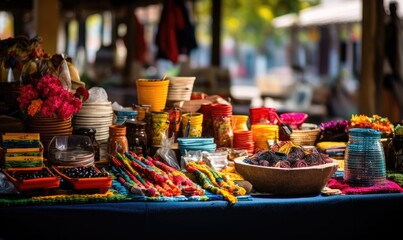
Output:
(388, 187)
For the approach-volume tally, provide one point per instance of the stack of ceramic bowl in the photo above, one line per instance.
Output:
(243, 140)
(180, 89)
(97, 115)
(120, 116)
(196, 144)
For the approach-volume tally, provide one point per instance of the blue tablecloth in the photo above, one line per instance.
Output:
(316, 217)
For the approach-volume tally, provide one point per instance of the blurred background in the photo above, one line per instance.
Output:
(322, 57)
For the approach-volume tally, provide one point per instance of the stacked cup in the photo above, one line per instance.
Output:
(243, 140)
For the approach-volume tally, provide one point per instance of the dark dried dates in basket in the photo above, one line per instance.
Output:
(288, 155)
(83, 172)
(31, 174)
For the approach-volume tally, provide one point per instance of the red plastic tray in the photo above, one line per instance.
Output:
(102, 184)
(34, 183)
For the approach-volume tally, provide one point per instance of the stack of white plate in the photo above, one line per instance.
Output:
(97, 115)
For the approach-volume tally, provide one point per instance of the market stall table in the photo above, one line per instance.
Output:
(316, 217)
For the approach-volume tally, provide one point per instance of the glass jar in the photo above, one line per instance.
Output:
(364, 160)
(207, 125)
(394, 155)
(223, 135)
(90, 132)
(142, 112)
(137, 137)
(222, 126)
(174, 118)
(117, 141)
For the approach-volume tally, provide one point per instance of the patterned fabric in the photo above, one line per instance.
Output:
(61, 198)
(395, 176)
(117, 193)
(388, 187)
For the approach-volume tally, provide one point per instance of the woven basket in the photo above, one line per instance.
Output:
(307, 136)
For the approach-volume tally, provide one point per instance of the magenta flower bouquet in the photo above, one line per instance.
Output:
(47, 97)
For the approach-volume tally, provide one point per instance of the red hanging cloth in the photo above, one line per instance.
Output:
(175, 32)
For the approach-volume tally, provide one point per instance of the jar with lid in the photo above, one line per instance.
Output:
(117, 141)
(90, 132)
(137, 137)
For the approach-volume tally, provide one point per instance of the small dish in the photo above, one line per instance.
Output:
(294, 119)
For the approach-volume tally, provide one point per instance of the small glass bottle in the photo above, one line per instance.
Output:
(117, 141)
(137, 137)
(90, 132)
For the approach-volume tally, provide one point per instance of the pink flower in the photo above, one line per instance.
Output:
(28, 93)
(82, 93)
(57, 102)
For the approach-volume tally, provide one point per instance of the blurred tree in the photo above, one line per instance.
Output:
(246, 21)
(249, 21)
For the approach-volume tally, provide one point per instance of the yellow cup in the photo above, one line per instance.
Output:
(261, 133)
(153, 92)
(160, 125)
(192, 123)
(239, 122)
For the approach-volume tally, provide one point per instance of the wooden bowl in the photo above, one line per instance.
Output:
(286, 181)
